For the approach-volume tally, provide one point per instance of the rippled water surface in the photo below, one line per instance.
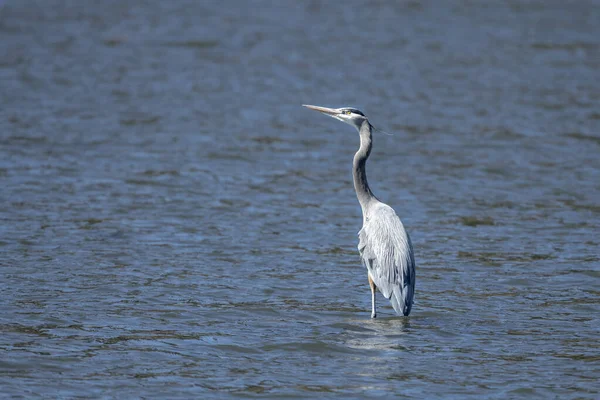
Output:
(176, 225)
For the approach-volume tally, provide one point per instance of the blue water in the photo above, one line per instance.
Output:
(176, 225)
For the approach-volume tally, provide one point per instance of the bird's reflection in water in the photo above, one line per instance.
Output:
(381, 334)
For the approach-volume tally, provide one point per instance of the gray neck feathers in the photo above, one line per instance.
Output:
(363, 192)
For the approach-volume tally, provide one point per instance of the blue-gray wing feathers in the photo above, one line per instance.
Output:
(386, 251)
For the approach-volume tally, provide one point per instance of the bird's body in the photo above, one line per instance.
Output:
(384, 245)
(385, 249)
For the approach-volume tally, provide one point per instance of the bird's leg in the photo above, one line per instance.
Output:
(373, 290)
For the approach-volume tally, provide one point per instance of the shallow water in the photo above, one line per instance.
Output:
(175, 225)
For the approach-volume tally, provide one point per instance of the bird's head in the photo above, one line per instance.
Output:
(349, 115)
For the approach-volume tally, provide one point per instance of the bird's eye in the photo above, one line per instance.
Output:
(348, 112)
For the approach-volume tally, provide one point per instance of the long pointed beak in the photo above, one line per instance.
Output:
(324, 110)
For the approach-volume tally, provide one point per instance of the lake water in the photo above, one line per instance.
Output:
(176, 225)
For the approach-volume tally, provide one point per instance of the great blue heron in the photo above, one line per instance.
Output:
(385, 247)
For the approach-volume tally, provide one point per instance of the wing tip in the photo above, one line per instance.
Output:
(401, 305)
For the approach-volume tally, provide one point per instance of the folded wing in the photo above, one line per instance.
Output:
(386, 251)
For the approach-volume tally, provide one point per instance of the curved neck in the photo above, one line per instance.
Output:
(363, 192)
